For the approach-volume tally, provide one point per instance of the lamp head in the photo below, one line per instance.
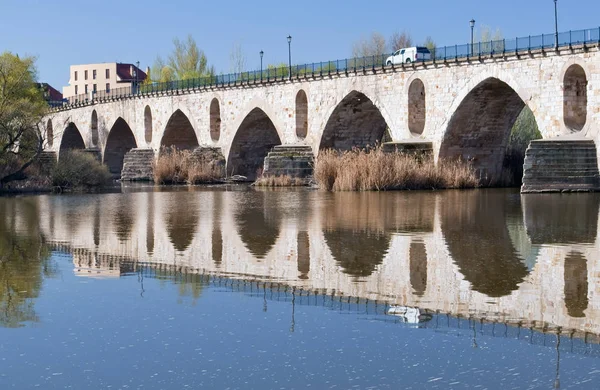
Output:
(472, 22)
(289, 38)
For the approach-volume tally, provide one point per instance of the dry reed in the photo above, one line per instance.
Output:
(181, 166)
(279, 181)
(374, 170)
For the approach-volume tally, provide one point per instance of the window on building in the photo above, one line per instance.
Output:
(75, 87)
(86, 89)
(85, 74)
(94, 74)
(107, 73)
(107, 87)
(95, 88)
(75, 75)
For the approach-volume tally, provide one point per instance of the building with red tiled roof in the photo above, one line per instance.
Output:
(102, 78)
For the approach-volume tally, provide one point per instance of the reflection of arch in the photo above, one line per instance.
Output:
(418, 267)
(120, 141)
(576, 284)
(416, 107)
(479, 128)
(123, 218)
(359, 240)
(301, 114)
(303, 255)
(150, 224)
(575, 97)
(355, 121)
(179, 133)
(474, 229)
(181, 218)
(71, 139)
(561, 219)
(217, 235)
(94, 128)
(148, 124)
(49, 133)
(253, 140)
(215, 120)
(258, 223)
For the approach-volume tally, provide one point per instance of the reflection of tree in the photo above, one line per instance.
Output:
(23, 261)
(474, 227)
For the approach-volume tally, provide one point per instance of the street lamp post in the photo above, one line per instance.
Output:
(137, 68)
(555, 25)
(261, 56)
(289, 39)
(472, 22)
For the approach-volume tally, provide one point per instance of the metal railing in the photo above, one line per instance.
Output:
(445, 54)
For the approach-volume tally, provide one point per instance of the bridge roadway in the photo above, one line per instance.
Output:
(463, 109)
(516, 271)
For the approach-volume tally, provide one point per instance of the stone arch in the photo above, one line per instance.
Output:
(215, 120)
(355, 122)
(49, 133)
(416, 107)
(253, 140)
(473, 223)
(94, 128)
(575, 99)
(576, 284)
(479, 127)
(71, 139)
(120, 141)
(148, 124)
(179, 132)
(301, 114)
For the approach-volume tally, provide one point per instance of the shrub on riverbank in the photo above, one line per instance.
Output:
(374, 170)
(279, 181)
(77, 170)
(181, 166)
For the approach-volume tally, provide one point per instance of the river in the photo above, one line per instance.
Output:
(241, 288)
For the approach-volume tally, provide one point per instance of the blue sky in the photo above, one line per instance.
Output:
(65, 32)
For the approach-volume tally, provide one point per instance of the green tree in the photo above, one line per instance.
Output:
(22, 108)
(187, 61)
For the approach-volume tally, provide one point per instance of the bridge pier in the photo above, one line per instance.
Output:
(417, 148)
(97, 153)
(138, 165)
(289, 160)
(561, 165)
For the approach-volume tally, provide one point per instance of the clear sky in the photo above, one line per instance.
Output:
(65, 32)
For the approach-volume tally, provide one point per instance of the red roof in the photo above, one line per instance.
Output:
(124, 73)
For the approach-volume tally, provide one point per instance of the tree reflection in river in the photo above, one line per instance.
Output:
(24, 261)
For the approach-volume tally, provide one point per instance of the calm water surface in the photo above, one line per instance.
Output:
(243, 289)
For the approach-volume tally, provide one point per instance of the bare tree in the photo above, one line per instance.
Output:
(237, 58)
(400, 40)
(373, 45)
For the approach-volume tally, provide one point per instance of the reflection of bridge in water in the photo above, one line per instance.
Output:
(486, 257)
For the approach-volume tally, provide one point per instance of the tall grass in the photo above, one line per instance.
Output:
(279, 181)
(374, 170)
(181, 166)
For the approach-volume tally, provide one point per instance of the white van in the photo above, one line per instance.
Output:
(408, 55)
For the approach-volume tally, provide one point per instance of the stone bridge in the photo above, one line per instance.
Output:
(459, 109)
